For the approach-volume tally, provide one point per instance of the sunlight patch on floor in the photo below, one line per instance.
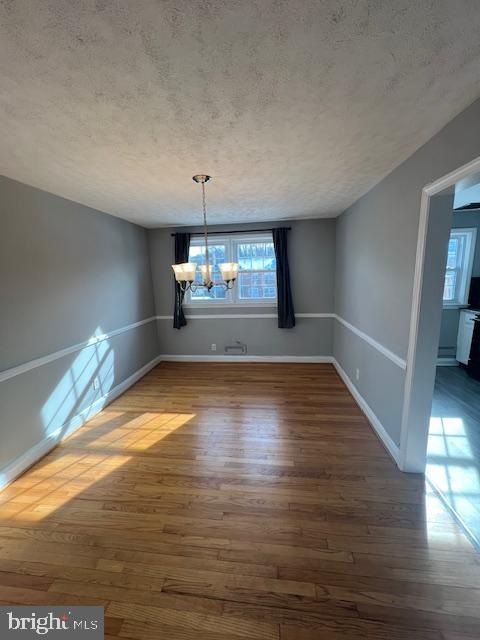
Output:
(447, 437)
(452, 468)
(66, 474)
(140, 433)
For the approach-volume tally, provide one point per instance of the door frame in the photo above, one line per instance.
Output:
(414, 433)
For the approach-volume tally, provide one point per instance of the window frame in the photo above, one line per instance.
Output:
(232, 298)
(465, 270)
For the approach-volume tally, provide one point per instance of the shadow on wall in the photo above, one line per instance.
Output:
(92, 369)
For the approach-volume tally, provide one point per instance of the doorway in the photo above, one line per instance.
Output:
(441, 416)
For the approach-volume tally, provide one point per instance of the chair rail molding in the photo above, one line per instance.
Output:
(56, 355)
(400, 362)
(244, 316)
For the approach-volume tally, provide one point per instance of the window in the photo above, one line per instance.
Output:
(461, 248)
(217, 253)
(256, 283)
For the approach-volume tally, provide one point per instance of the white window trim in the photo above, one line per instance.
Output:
(229, 305)
(229, 302)
(467, 272)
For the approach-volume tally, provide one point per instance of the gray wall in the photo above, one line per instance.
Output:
(311, 250)
(450, 317)
(375, 262)
(67, 272)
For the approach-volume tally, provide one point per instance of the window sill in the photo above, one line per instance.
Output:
(455, 306)
(229, 305)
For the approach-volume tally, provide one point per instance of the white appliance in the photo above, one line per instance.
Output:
(465, 333)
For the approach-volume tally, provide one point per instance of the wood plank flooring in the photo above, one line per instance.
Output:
(225, 501)
(453, 458)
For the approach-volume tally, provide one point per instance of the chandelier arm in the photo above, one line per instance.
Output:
(192, 286)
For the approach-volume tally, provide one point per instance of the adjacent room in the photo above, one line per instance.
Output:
(239, 303)
(453, 458)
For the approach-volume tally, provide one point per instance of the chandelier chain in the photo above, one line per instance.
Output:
(205, 229)
(185, 275)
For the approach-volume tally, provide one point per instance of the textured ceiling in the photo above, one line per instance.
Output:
(295, 107)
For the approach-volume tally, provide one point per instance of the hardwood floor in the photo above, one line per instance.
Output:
(453, 458)
(227, 501)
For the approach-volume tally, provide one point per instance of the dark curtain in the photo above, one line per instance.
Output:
(182, 247)
(286, 313)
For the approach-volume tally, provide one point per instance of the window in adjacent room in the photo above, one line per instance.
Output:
(461, 249)
(256, 283)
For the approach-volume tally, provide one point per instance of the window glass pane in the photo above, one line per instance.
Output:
(271, 279)
(461, 247)
(255, 255)
(244, 263)
(270, 263)
(257, 286)
(257, 265)
(453, 245)
(216, 254)
(449, 288)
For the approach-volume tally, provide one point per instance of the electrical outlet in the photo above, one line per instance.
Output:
(96, 383)
(357, 374)
(213, 347)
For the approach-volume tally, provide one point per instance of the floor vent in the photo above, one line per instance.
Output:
(237, 349)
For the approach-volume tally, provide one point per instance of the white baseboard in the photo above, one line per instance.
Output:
(246, 358)
(386, 440)
(13, 469)
(447, 362)
(237, 316)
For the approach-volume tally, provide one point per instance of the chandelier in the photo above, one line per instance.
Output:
(185, 272)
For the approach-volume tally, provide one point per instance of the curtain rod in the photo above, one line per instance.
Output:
(224, 233)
